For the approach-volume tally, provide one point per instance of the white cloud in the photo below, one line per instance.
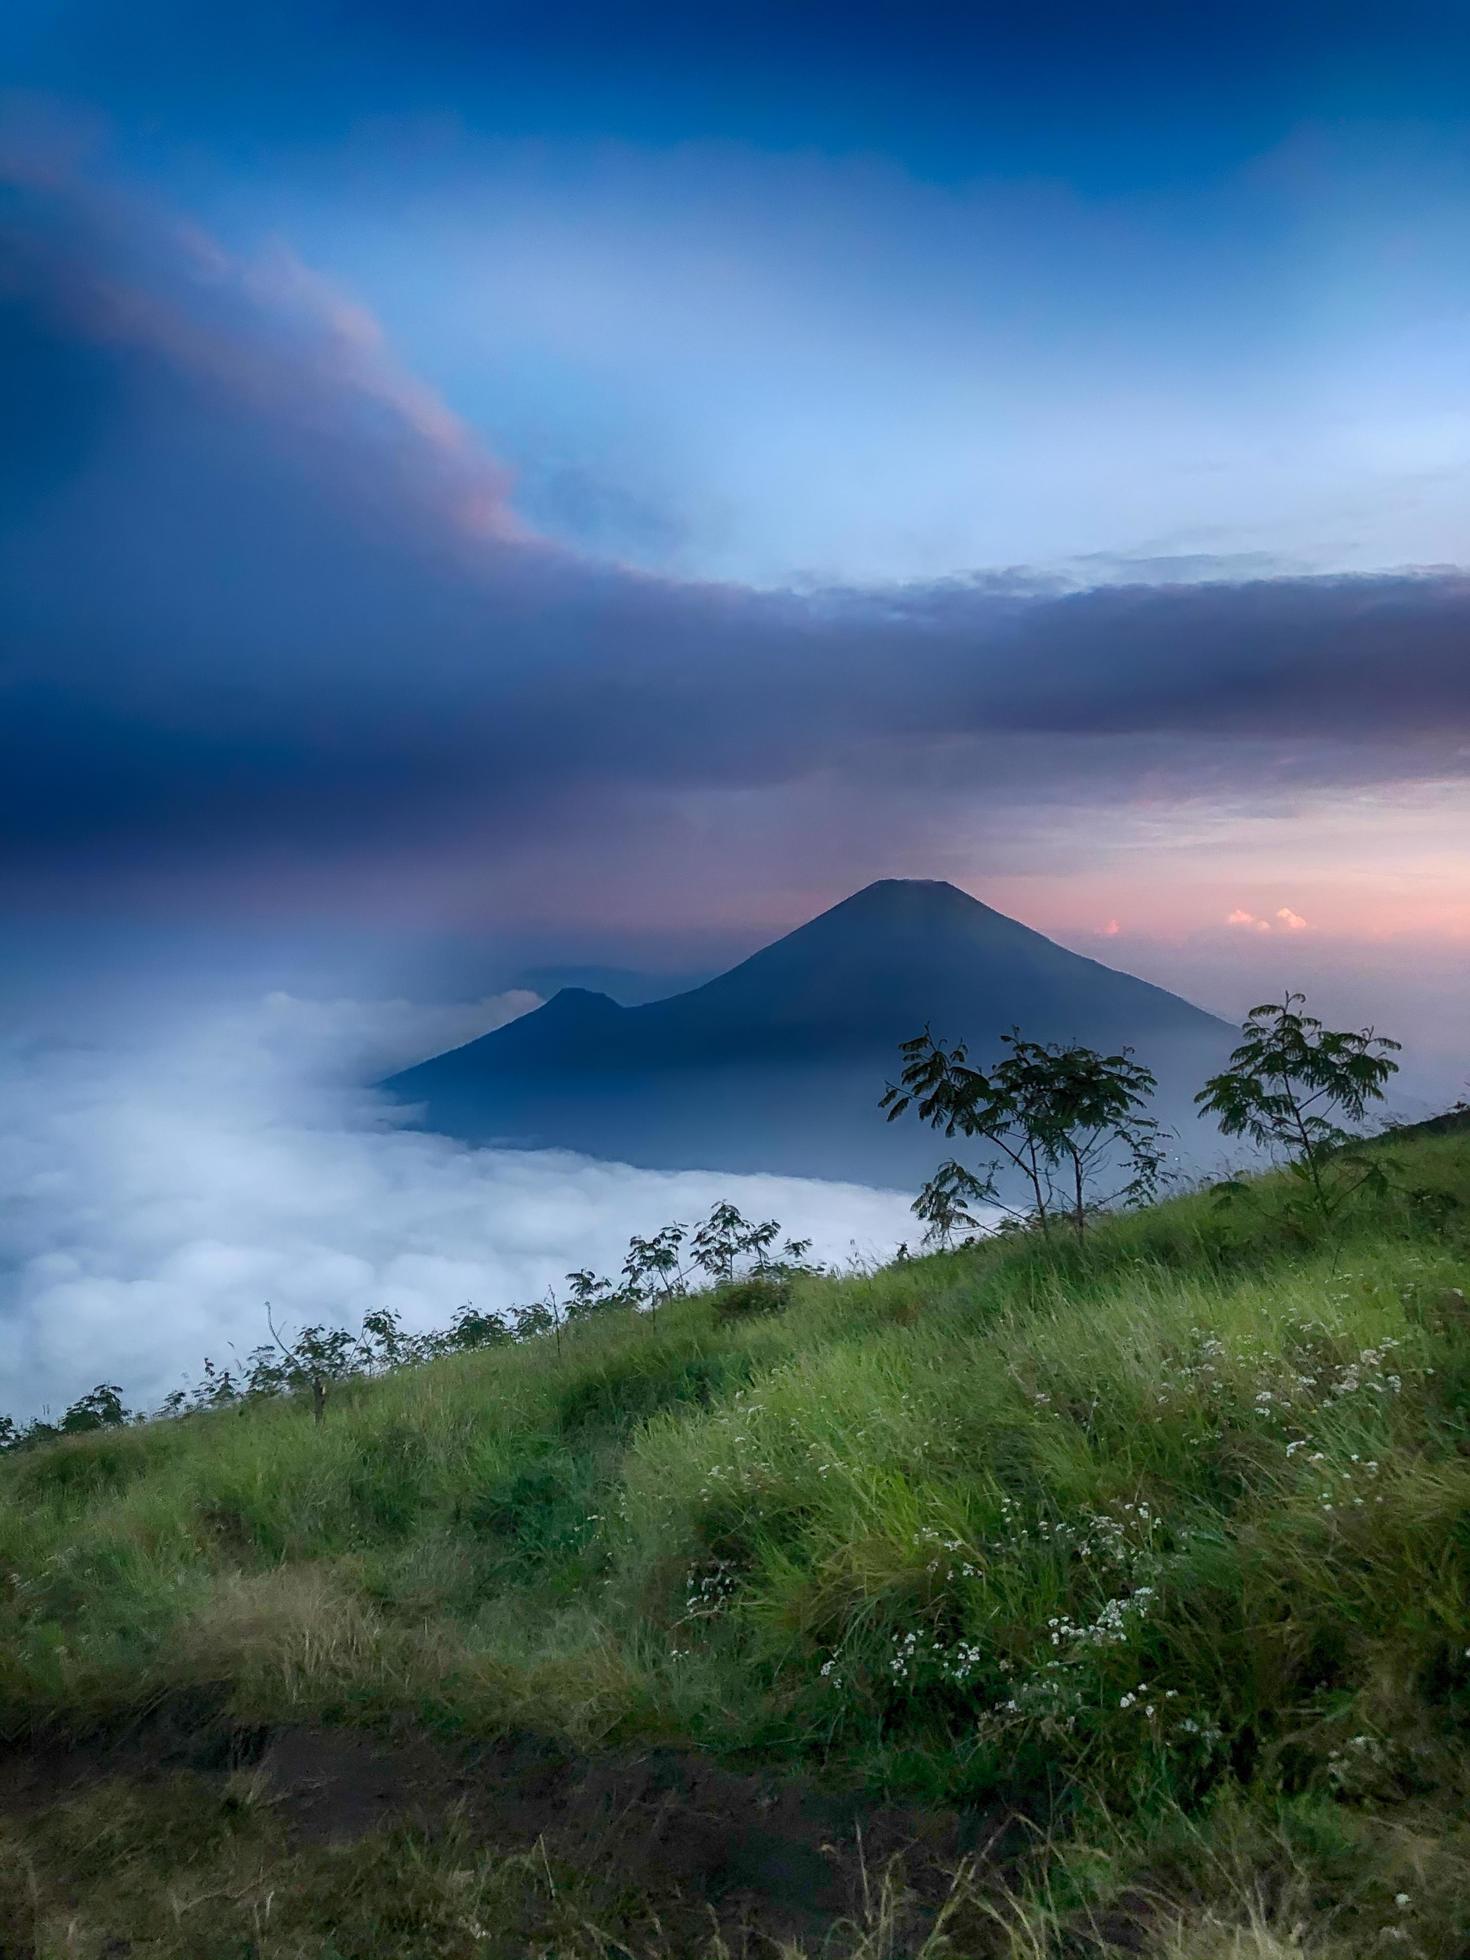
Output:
(157, 1198)
(355, 1040)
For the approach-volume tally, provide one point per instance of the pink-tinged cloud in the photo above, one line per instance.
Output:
(1293, 921)
(1247, 921)
(269, 333)
(1111, 929)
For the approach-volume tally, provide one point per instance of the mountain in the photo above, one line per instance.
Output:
(627, 986)
(778, 1064)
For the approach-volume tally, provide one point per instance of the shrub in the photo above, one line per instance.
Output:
(757, 1293)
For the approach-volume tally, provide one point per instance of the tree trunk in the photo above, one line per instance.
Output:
(1079, 1215)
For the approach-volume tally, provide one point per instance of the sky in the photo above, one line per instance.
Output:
(559, 476)
(487, 486)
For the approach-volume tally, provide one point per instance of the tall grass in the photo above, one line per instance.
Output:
(1173, 1520)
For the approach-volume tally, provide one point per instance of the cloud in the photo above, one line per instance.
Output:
(1290, 921)
(349, 1040)
(270, 602)
(164, 305)
(157, 1197)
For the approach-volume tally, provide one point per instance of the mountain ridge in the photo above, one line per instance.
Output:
(739, 1069)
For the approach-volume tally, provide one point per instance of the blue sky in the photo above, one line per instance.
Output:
(837, 295)
(591, 476)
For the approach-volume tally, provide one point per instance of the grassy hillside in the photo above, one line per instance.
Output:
(1031, 1600)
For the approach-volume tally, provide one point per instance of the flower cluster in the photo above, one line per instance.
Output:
(709, 1588)
(954, 1661)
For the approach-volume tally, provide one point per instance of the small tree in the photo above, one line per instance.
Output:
(472, 1328)
(717, 1241)
(319, 1357)
(726, 1236)
(588, 1294)
(1060, 1116)
(382, 1343)
(653, 1270)
(943, 1206)
(218, 1386)
(100, 1408)
(540, 1317)
(1293, 1087)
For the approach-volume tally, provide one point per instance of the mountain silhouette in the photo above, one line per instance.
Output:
(778, 1064)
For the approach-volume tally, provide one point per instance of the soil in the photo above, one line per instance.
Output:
(759, 1859)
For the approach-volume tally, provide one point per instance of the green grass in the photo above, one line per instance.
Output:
(1161, 1543)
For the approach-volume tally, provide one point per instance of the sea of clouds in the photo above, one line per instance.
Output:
(156, 1192)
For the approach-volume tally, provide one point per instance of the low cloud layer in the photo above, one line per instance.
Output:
(156, 1198)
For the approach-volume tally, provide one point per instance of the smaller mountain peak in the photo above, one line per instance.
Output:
(580, 1000)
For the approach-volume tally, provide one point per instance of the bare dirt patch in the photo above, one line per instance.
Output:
(757, 1858)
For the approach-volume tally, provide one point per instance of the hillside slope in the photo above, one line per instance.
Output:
(1119, 1593)
(777, 1064)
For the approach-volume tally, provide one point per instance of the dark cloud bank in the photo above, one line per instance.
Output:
(264, 595)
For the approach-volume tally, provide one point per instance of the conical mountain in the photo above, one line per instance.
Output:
(778, 1063)
(907, 951)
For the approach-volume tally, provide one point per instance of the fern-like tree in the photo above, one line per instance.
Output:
(1065, 1118)
(588, 1294)
(726, 1237)
(318, 1357)
(472, 1328)
(101, 1408)
(1294, 1087)
(943, 1206)
(653, 1270)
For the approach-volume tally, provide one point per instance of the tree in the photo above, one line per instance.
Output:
(943, 1206)
(1060, 1116)
(320, 1356)
(587, 1294)
(219, 1386)
(471, 1328)
(1292, 1086)
(540, 1317)
(717, 1241)
(101, 1408)
(383, 1343)
(726, 1236)
(653, 1270)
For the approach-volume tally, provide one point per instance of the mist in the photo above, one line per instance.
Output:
(159, 1191)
